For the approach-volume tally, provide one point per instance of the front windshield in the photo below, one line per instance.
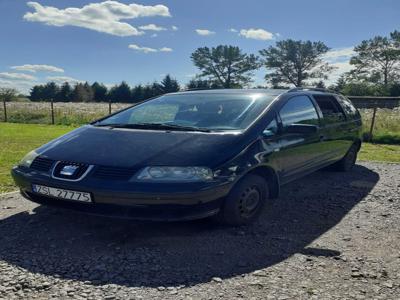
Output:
(197, 110)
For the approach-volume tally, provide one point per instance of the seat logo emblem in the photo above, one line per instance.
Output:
(68, 170)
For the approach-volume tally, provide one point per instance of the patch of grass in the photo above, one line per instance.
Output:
(379, 152)
(386, 128)
(18, 139)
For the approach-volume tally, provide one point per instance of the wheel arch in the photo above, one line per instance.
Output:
(270, 175)
(357, 142)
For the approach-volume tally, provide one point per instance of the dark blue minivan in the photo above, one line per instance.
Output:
(194, 154)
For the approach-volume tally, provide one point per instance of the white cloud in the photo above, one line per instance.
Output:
(152, 27)
(102, 17)
(19, 81)
(37, 68)
(17, 76)
(339, 58)
(62, 79)
(20, 86)
(204, 32)
(339, 54)
(166, 49)
(142, 49)
(174, 28)
(148, 49)
(340, 68)
(256, 34)
(233, 30)
(154, 35)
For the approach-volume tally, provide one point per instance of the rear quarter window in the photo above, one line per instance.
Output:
(348, 107)
(332, 112)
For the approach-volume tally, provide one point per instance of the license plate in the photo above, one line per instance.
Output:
(61, 193)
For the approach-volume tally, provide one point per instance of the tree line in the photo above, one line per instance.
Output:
(289, 63)
(98, 92)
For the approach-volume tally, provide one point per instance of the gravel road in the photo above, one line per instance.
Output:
(329, 236)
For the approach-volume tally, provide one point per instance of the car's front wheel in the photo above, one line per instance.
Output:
(245, 201)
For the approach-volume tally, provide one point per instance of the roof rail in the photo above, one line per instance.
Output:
(296, 89)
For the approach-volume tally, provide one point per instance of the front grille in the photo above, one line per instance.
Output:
(77, 174)
(113, 173)
(42, 164)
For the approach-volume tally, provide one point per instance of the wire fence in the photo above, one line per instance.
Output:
(381, 115)
(57, 113)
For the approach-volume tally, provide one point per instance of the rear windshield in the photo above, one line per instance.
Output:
(210, 111)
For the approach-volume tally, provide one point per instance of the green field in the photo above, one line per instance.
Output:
(18, 139)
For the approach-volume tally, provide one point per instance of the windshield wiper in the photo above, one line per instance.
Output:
(156, 126)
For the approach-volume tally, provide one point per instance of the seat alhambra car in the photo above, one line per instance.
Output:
(194, 154)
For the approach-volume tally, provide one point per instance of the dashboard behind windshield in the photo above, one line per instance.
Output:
(206, 111)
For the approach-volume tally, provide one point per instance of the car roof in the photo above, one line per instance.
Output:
(271, 92)
(234, 91)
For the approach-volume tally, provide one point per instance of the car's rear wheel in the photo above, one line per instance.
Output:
(348, 161)
(245, 202)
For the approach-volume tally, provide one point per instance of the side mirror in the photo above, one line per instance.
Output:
(301, 128)
(268, 133)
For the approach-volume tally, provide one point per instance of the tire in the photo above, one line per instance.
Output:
(245, 201)
(348, 161)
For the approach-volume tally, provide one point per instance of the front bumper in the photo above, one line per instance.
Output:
(136, 200)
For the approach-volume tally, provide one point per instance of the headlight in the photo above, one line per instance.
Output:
(187, 174)
(28, 159)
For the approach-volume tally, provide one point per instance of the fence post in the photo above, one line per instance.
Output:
(5, 110)
(52, 111)
(109, 107)
(372, 124)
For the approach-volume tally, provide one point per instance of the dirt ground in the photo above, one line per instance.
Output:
(329, 236)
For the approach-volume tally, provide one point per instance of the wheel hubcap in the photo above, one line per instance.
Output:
(249, 201)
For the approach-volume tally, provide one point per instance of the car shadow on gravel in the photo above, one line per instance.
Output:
(102, 251)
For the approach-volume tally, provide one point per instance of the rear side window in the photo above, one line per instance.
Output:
(298, 110)
(331, 110)
(348, 107)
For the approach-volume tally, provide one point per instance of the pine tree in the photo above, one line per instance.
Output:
(100, 92)
(36, 93)
(65, 93)
(169, 85)
(50, 91)
(137, 94)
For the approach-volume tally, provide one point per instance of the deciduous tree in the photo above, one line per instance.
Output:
(295, 62)
(378, 59)
(8, 94)
(82, 93)
(225, 66)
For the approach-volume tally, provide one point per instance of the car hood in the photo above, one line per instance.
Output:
(132, 147)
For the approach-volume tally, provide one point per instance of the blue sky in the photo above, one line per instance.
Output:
(141, 41)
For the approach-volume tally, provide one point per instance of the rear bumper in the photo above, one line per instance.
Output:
(166, 202)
